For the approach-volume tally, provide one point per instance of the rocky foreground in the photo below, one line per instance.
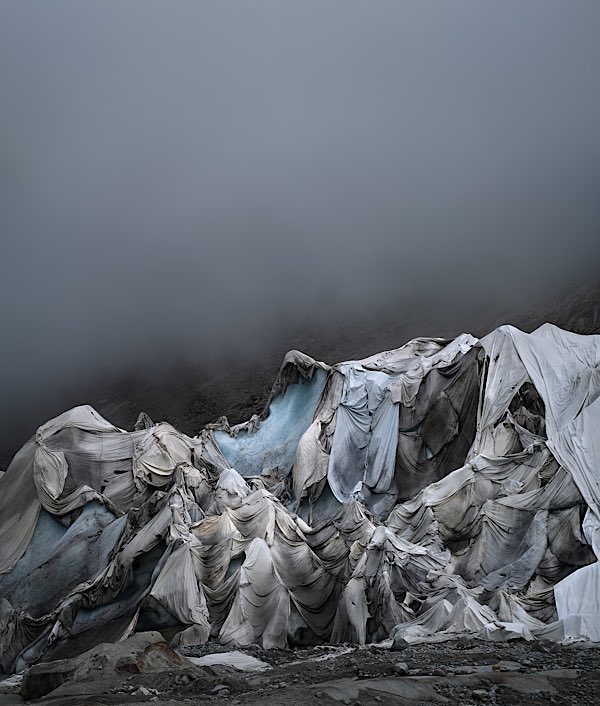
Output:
(144, 669)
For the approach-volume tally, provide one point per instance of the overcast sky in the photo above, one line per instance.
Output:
(178, 177)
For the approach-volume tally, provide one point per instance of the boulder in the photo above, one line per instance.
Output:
(102, 666)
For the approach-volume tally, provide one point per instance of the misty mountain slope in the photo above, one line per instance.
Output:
(191, 395)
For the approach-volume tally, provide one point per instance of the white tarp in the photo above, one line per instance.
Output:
(422, 493)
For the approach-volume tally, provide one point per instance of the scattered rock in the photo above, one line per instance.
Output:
(401, 669)
(464, 642)
(507, 666)
(141, 691)
(194, 635)
(479, 694)
(548, 646)
(219, 687)
(399, 644)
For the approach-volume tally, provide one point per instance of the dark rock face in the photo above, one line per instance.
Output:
(43, 678)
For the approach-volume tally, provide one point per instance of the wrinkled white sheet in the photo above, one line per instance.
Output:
(565, 370)
(494, 548)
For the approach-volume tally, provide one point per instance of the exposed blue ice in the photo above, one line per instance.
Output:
(274, 443)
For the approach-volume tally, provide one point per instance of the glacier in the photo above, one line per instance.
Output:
(444, 488)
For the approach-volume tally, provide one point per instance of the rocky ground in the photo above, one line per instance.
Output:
(458, 672)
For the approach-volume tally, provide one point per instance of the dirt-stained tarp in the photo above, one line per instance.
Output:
(439, 489)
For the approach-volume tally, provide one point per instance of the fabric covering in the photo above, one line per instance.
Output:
(440, 489)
